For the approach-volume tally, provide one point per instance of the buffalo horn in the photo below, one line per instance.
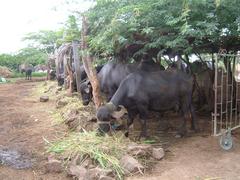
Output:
(119, 114)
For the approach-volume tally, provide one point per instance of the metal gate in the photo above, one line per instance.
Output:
(226, 115)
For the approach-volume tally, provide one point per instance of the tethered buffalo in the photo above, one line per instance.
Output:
(141, 92)
(109, 78)
(112, 74)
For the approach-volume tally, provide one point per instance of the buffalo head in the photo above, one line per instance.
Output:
(105, 115)
(86, 92)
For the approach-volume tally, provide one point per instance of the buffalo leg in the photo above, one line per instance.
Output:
(143, 118)
(194, 124)
(131, 115)
(129, 123)
(184, 111)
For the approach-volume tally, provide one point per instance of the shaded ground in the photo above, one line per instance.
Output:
(25, 122)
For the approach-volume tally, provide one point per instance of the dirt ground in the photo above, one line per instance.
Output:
(25, 123)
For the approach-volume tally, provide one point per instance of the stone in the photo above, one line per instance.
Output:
(139, 150)
(158, 153)
(61, 103)
(44, 98)
(87, 163)
(96, 173)
(53, 166)
(77, 171)
(106, 178)
(130, 165)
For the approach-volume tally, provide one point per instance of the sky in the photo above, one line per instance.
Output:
(19, 17)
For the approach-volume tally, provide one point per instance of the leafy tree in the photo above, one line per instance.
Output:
(168, 27)
(29, 55)
(45, 40)
(10, 61)
(71, 30)
(32, 55)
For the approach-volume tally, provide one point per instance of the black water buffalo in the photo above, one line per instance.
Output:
(111, 76)
(28, 73)
(83, 74)
(143, 91)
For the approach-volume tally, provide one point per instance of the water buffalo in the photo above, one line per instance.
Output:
(111, 76)
(28, 73)
(23, 67)
(143, 91)
(83, 74)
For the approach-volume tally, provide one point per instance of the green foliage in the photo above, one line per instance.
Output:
(71, 30)
(32, 56)
(10, 61)
(182, 26)
(45, 40)
(28, 55)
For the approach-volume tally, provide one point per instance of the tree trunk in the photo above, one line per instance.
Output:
(88, 66)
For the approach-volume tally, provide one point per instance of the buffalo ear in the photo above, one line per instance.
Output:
(87, 90)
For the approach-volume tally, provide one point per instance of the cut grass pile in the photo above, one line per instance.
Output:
(106, 150)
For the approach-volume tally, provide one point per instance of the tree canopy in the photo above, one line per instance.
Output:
(163, 26)
(129, 28)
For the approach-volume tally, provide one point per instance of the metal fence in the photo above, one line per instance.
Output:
(226, 115)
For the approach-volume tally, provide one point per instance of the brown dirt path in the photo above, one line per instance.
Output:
(197, 158)
(24, 121)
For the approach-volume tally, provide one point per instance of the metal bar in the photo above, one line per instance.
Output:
(232, 87)
(236, 104)
(229, 55)
(221, 117)
(227, 73)
(219, 134)
(215, 99)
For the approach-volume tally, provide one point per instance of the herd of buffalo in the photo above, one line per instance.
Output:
(138, 88)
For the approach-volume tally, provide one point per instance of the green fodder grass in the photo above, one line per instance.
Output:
(106, 150)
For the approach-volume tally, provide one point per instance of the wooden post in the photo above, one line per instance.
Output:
(88, 66)
(75, 45)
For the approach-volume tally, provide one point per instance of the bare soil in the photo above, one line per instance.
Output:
(25, 123)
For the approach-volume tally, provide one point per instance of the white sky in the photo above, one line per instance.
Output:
(19, 17)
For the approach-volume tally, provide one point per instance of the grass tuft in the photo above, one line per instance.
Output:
(104, 150)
